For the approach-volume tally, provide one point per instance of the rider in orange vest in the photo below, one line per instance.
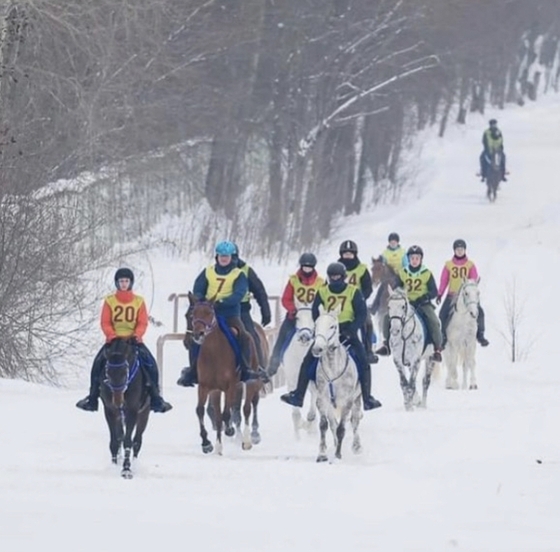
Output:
(124, 314)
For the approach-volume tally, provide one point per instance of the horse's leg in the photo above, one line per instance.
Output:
(323, 426)
(341, 430)
(414, 400)
(200, 409)
(355, 418)
(405, 387)
(426, 380)
(114, 422)
(246, 443)
(143, 416)
(236, 410)
(131, 417)
(451, 359)
(255, 435)
(469, 365)
(215, 399)
(297, 420)
(312, 413)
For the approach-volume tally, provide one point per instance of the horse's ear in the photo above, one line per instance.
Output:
(192, 299)
(338, 310)
(390, 289)
(212, 299)
(321, 309)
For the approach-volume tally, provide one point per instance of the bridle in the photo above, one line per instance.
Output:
(305, 334)
(208, 327)
(130, 373)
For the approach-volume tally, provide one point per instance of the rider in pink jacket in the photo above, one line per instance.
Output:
(457, 269)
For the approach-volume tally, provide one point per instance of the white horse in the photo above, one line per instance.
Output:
(338, 389)
(407, 341)
(292, 359)
(461, 336)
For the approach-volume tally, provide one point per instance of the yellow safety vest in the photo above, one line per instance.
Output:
(220, 286)
(245, 270)
(394, 257)
(354, 276)
(415, 283)
(332, 300)
(305, 293)
(124, 316)
(457, 273)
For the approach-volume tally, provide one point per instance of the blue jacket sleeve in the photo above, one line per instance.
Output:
(366, 285)
(256, 287)
(360, 310)
(200, 285)
(240, 288)
(315, 306)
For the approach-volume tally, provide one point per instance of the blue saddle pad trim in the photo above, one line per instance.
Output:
(287, 341)
(222, 324)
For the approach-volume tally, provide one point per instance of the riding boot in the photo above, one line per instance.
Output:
(189, 374)
(372, 358)
(370, 402)
(157, 403)
(91, 402)
(384, 350)
(481, 328)
(295, 397)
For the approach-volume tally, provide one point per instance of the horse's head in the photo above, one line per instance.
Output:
(399, 309)
(203, 319)
(326, 332)
(304, 323)
(378, 269)
(120, 367)
(468, 298)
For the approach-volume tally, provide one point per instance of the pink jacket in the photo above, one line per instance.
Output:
(445, 274)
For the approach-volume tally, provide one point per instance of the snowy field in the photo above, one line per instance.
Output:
(461, 476)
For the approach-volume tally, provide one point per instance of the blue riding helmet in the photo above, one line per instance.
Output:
(124, 273)
(225, 248)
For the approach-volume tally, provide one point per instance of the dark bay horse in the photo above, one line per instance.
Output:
(382, 276)
(216, 367)
(125, 401)
(493, 174)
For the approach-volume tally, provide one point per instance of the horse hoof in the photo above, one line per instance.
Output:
(357, 449)
(338, 455)
(408, 407)
(206, 449)
(126, 474)
(473, 386)
(311, 417)
(322, 458)
(246, 446)
(230, 431)
(255, 438)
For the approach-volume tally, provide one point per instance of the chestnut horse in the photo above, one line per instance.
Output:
(125, 401)
(217, 372)
(382, 276)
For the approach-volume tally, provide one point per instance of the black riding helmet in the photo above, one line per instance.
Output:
(459, 243)
(492, 122)
(336, 269)
(415, 250)
(124, 273)
(308, 259)
(393, 236)
(348, 246)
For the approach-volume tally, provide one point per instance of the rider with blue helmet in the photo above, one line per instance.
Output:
(224, 283)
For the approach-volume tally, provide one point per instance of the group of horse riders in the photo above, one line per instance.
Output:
(230, 282)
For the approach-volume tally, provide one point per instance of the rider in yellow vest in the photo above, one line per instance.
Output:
(301, 288)
(457, 269)
(420, 287)
(124, 314)
(258, 292)
(493, 141)
(226, 284)
(394, 256)
(357, 274)
(351, 319)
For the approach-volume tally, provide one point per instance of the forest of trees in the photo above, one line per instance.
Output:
(274, 118)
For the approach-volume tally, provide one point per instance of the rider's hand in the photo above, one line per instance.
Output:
(438, 299)
(134, 340)
(265, 319)
(291, 315)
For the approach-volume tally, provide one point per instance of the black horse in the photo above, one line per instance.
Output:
(125, 400)
(494, 173)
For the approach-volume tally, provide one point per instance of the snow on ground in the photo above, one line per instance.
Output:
(461, 475)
